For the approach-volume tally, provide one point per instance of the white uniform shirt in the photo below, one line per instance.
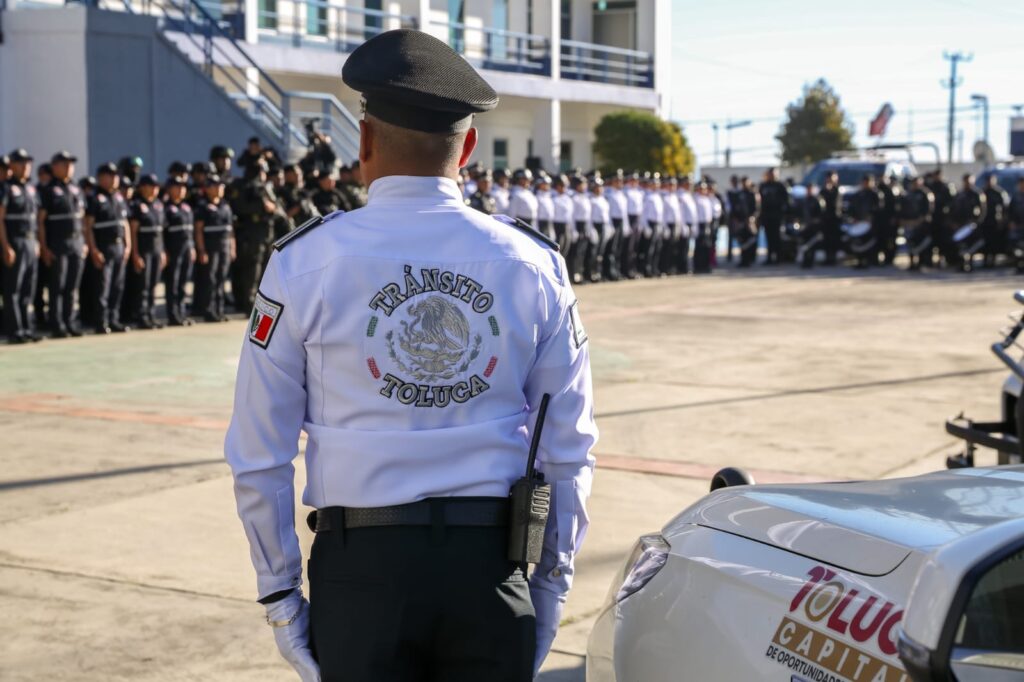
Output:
(600, 214)
(617, 202)
(653, 214)
(523, 205)
(581, 226)
(502, 198)
(705, 208)
(689, 210)
(563, 208)
(545, 205)
(411, 340)
(634, 200)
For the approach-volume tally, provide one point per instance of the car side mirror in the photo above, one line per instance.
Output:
(965, 618)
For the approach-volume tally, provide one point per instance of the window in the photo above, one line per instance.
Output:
(499, 42)
(567, 19)
(457, 15)
(500, 154)
(316, 17)
(268, 14)
(566, 153)
(615, 23)
(372, 24)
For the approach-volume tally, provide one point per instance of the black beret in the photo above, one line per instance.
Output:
(150, 180)
(108, 168)
(213, 179)
(20, 155)
(413, 80)
(176, 181)
(202, 167)
(177, 167)
(221, 152)
(63, 156)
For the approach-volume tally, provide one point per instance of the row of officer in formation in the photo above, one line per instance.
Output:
(99, 247)
(627, 225)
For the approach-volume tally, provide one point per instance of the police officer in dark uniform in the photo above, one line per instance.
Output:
(969, 206)
(832, 220)
(482, 199)
(221, 157)
(774, 205)
(327, 198)
(197, 183)
(811, 237)
(746, 234)
(109, 239)
(887, 218)
(917, 216)
(864, 207)
(215, 249)
(993, 225)
(146, 217)
(62, 244)
(254, 206)
(179, 226)
(297, 205)
(1016, 226)
(940, 225)
(350, 188)
(19, 247)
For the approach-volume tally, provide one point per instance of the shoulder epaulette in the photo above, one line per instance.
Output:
(526, 227)
(302, 229)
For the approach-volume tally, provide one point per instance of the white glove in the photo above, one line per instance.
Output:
(548, 607)
(290, 620)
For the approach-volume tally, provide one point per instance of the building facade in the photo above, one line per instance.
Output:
(557, 65)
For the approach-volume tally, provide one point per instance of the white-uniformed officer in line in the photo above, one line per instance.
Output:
(582, 229)
(545, 205)
(561, 218)
(616, 196)
(651, 220)
(634, 208)
(523, 202)
(688, 206)
(412, 340)
(501, 191)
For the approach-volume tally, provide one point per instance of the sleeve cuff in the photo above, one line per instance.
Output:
(269, 585)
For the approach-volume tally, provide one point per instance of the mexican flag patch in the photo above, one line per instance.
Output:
(265, 314)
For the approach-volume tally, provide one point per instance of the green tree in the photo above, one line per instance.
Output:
(640, 140)
(816, 126)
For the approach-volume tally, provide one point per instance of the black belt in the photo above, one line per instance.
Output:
(447, 511)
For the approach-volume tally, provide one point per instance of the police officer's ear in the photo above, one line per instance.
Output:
(468, 146)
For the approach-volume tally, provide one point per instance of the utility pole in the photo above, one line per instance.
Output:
(954, 59)
(982, 101)
(714, 127)
(729, 127)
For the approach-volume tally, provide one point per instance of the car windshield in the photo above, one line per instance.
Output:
(849, 173)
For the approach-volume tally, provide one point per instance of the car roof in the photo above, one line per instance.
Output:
(868, 527)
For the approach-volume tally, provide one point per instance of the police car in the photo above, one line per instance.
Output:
(885, 581)
(1007, 177)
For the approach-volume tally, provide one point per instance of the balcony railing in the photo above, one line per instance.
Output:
(604, 64)
(316, 23)
(500, 50)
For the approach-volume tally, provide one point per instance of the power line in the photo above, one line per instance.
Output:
(954, 59)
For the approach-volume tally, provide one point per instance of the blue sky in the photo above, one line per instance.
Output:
(747, 59)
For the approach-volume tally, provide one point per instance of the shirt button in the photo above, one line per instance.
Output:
(557, 573)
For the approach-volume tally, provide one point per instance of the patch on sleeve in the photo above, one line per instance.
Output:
(265, 315)
(579, 334)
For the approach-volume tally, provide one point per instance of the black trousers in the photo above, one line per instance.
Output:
(627, 259)
(419, 604)
(214, 275)
(110, 285)
(612, 248)
(831, 231)
(176, 276)
(562, 237)
(702, 245)
(65, 278)
(148, 279)
(772, 226)
(19, 286)
(247, 270)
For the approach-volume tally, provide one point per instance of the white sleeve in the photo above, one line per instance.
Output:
(263, 438)
(562, 369)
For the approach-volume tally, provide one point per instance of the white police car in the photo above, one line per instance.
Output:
(884, 581)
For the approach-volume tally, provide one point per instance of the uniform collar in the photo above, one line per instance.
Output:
(414, 187)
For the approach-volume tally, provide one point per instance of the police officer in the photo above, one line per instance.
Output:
(523, 203)
(297, 205)
(502, 191)
(62, 245)
(411, 464)
(617, 210)
(19, 248)
(109, 239)
(146, 217)
(215, 249)
(917, 217)
(864, 207)
(831, 222)
(561, 220)
(348, 185)
(969, 206)
(254, 206)
(221, 157)
(810, 237)
(581, 228)
(602, 230)
(131, 170)
(703, 242)
(774, 205)
(887, 218)
(994, 222)
(940, 229)
(179, 229)
(545, 205)
(197, 183)
(327, 198)
(1016, 226)
(674, 227)
(482, 199)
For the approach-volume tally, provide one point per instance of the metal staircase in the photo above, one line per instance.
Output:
(210, 42)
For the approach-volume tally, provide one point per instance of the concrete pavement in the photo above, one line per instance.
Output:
(121, 557)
